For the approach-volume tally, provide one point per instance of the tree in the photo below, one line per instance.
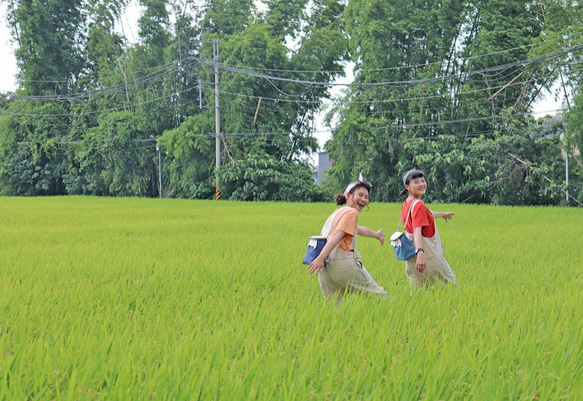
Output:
(189, 158)
(50, 42)
(264, 114)
(261, 177)
(446, 86)
(33, 156)
(115, 160)
(433, 83)
(562, 23)
(226, 17)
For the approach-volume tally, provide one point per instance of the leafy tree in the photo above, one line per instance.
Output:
(263, 114)
(189, 156)
(32, 157)
(517, 165)
(444, 86)
(497, 40)
(112, 160)
(5, 100)
(562, 30)
(574, 119)
(574, 144)
(285, 17)
(399, 49)
(226, 17)
(261, 177)
(50, 41)
(433, 83)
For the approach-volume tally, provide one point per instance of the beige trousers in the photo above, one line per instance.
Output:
(345, 273)
(436, 265)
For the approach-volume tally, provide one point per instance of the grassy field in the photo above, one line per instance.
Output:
(173, 299)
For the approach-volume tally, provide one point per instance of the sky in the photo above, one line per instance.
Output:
(7, 59)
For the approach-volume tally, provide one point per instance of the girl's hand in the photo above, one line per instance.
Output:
(381, 236)
(316, 266)
(447, 216)
(420, 264)
(367, 232)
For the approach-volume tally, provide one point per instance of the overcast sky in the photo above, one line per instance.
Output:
(7, 60)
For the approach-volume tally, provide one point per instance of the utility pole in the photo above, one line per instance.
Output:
(217, 119)
(567, 176)
(159, 171)
(217, 115)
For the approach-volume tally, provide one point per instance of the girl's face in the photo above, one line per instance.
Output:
(358, 199)
(417, 187)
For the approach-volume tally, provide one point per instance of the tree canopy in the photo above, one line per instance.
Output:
(445, 86)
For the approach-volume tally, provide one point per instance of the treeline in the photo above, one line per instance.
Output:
(445, 86)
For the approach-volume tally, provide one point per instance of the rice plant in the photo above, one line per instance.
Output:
(178, 299)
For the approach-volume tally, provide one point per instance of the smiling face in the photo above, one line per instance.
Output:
(417, 187)
(358, 199)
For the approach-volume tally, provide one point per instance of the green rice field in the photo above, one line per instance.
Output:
(161, 299)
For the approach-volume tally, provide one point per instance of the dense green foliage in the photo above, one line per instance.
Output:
(175, 299)
(445, 86)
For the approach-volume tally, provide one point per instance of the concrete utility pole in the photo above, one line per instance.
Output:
(159, 171)
(217, 116)
(567, 177)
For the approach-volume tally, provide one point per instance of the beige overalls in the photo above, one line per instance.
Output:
(345, 271)
(436, 265)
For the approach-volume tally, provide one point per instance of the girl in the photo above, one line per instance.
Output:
(429, 263)
(344, 271)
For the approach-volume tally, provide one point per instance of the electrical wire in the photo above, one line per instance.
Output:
(407, 83)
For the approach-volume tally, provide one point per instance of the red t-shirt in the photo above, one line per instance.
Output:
(420, 217)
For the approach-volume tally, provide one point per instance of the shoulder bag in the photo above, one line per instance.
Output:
(403, 247)
(317, 242)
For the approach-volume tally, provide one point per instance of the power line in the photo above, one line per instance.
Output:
(414, 66)
(159, 74)
(406, 83)
(109, 110)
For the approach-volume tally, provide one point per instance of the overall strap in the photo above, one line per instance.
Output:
(408, 214)
(331, 222)
(337, 216)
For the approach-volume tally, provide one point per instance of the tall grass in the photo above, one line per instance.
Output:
(175, 299)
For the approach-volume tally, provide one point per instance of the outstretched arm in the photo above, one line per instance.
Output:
(445, 215)
(367, 232)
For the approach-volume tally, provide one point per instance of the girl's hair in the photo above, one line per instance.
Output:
(341, 198)
(408, 176)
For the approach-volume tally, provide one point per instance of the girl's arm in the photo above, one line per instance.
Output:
(318, 264)
(445, 215)
(367, 232)
(418, 241)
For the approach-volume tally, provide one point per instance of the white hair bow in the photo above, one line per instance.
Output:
(353, 184)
